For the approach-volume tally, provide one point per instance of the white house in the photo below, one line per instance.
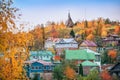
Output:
(50, 42)
(97, 56)
(65, 43)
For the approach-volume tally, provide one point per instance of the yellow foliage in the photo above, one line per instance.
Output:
(104, 33)
(15, 52)
(90, 37)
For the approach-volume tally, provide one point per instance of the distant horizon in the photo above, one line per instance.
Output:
(40, 11)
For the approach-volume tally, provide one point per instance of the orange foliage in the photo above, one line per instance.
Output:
(90, 37)
(105, 75)
(15, 52)
(104, 33)
(70, 73)
(117, 29)
(88, 31)
(57, 58)
(112, 53)
(53, 32)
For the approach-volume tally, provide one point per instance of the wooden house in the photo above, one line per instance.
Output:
(38, 67)
(65, 44)
(88, 44)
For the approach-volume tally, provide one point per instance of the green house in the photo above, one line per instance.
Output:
(41, 55)
(84, 57)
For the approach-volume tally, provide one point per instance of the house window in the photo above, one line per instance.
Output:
(97, 57)
(48, 67)
(32, 67)
(36, 67)
(40, 67)
(44, 67)
(47, 56)
(35, 57)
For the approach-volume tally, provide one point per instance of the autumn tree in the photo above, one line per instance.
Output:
(13, 44)
(90, 37)
(64, 33)
(108, 56)
(38, 35)
(53, 32)
(105, 75)
(86, 24)
(117, 30)
(69, 73)
(112, 53)
(104, 34)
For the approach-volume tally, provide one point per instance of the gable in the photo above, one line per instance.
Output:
(89, 43)
(115, 67)
(83, 45)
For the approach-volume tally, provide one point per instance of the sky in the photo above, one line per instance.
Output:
(40, 11)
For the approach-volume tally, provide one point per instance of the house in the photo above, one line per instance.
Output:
(50, 42)
(111, 41)
(38, 67)
(88, 44)
(65, 43)
(87, 59)
(88, 66)
(115, 70)
(41, 55)
(97, 56)
(79, 56)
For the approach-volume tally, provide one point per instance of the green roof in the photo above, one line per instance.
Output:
(88, 63)
(39, 53)
(79, 55)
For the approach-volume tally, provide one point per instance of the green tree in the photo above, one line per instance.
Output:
(81, 70)
(105, 58)
(94, 75)
(36, 77)
(72, 33)
(58, 73)
(107, 21)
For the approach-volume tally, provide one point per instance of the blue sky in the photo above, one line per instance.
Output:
(41, 11)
